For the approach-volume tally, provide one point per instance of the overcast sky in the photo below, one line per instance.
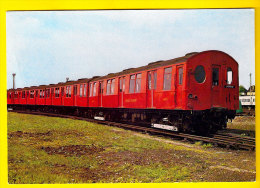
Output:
(45, 47)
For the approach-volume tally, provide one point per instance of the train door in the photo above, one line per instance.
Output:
(216, 85)
(36, 97)
(151, 86)
(27, 96)
(121, 91)
(52, 95)
(100, 93)
(179, 85)
(75, 94)
(62, 95)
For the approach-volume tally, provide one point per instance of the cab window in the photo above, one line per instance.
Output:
(229, 75)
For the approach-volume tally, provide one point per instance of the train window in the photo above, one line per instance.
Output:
(81, 90)
(47, 93)
(200, 74)
(57, 92)
(155, 80)
(149, 80)
(180, 76)
(75, 90)
(85, 90)
(215, 76)
(113, 87)
(138, 83)
(167, 81)
(101, 87)
(90, 90)
(122, 84)
(94, 89)
(32, 94)
(229, 75)
(68, 91)
(132, 84)
(108, 87)
(23, 94)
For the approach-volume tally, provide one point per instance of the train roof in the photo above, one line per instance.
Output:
(151, 65)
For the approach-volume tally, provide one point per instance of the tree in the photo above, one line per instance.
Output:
(242, 89)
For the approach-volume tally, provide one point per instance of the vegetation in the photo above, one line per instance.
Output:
(242, 89)
(56, 150)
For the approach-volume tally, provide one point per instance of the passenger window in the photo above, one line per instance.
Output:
(155, 80)
(47, 93)
(112, 87)
(108, 87)
(32, 94)
(94, 89)
(68, 91)
(101, 87)
(215, 76)
(62, 91)
(81, 90)
(167, 78)
(180, 76)
(58, 91)
(90, 90)
(132, 84)
(85, 90)
(149, 80)
(75, 90)
(138, 83)
(229, 75)
(122, 84)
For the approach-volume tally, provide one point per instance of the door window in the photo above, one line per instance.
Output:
(215, 76)
(167, 78)
(180, 76)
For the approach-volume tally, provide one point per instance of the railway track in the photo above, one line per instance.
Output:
(227, 140)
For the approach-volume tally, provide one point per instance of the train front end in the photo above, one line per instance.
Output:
(212, 90)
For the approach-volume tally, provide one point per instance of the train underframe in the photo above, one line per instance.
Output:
(189, 121)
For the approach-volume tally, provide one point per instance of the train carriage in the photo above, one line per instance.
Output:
(194, 93)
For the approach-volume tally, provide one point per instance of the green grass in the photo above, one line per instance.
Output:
(30, 163)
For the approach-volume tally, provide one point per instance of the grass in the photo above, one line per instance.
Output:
(244, 125)
(29, 135)
(58, 150)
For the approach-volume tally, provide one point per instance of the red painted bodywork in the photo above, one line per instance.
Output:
(204, 95)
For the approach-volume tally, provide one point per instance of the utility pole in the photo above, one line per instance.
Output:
(250, 83)
(14, 81)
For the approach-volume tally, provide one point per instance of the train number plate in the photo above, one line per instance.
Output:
(167, 127)
(99, 118)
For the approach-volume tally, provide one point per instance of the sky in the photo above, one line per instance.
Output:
(45, 47)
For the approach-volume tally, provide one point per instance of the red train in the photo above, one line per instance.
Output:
(195, 93)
